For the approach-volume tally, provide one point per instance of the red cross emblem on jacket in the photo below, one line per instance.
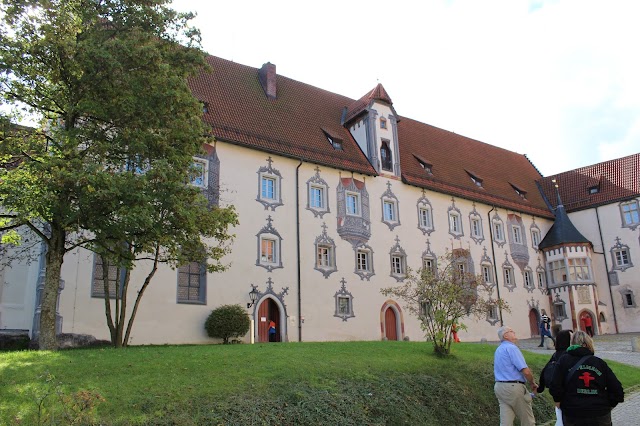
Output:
(586, 378)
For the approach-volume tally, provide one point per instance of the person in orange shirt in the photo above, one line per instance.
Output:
(272, 331)
(454, 332)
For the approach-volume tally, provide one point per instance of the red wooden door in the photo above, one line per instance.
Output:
(533, 323)
(268, 311)
(391, 329)
(263, 321)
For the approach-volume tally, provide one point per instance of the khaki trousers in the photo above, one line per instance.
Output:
(515, 401)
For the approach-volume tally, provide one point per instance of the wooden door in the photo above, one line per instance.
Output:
(268, 311)
(533, 323)
(390, 324)
(263, 321)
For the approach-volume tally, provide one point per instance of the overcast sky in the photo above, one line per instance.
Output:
(558, 80)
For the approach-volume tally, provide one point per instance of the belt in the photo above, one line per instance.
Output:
(510, 381)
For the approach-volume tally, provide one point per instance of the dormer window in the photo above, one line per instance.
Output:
(475, 179)
(593, 190)
(521, 192)
(336, 143)
(426, 165)
(205, 106)
(383, 123)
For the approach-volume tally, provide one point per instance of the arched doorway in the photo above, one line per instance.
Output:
(587, 320)
(534, 320)
(268, 311)
(390, 324)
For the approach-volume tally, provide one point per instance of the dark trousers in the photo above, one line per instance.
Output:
(545, 332)
(586, 421)
(272, 337)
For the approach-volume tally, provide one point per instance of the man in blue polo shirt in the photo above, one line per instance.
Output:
(511, 373)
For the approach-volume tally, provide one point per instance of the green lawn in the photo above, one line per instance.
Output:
(355, 383)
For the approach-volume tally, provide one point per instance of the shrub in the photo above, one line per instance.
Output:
(227, 321)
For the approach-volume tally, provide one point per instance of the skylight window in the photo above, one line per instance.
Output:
(594, 189)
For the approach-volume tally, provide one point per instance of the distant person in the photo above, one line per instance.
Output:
(584, 386)
(454, 333)
(588, 324)
(272, 331)
(545, 328)
(563, 341)
(511, 373)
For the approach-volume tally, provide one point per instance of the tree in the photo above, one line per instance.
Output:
(441, 297)
(107, 81)
(227, 321)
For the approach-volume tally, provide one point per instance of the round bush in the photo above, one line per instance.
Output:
(227, 321)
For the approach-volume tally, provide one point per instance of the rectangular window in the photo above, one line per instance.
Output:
(622, 257)
(541, 279)
(578, 270)
(389, 211)
(425, 309)
(324, 257)
(343, 305)
(517, 238)
(383, 123)
(268, 186)
(397, 265)
(628, 299)
(486, 273)
(508, 278)
(559, 311)
(493, 312)
(114, 278)
(429, 264)
(316, 197)
(476, 227)
(498, 232)
(353, 204)
(424, 217)
(454, 223)
(267, 250)
(528, 279)
(535, 237)
(557, 271)
(363, 260)
(630, 215)
(199, 172)
(191, 282)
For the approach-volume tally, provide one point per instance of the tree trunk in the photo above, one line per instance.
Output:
(147, 280)
(48, 303)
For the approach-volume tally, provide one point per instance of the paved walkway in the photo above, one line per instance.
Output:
(615, 347)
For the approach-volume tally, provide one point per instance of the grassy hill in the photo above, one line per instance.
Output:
(354, 383)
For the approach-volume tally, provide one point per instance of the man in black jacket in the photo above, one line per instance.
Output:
(588, 393)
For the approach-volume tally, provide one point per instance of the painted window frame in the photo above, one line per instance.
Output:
(269, 174)
(516, 234)
(364, 251)
(535, 238)
(630, 217)
(355, 208)
(498, 231)
(342, 295)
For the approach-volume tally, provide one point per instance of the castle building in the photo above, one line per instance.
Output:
(338, 198)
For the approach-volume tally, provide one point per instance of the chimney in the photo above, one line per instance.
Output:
(267, 77)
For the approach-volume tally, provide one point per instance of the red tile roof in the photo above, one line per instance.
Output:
(294, 125)
(615, 180)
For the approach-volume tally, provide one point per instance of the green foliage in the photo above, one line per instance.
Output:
(108, 165)
(441, 297)
(226, 322)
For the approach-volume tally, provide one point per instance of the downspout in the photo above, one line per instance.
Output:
(298, 251)
(493, 254)
(613, 304)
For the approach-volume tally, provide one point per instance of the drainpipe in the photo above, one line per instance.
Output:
(606, 265)
(493, 254)
(298, 250)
